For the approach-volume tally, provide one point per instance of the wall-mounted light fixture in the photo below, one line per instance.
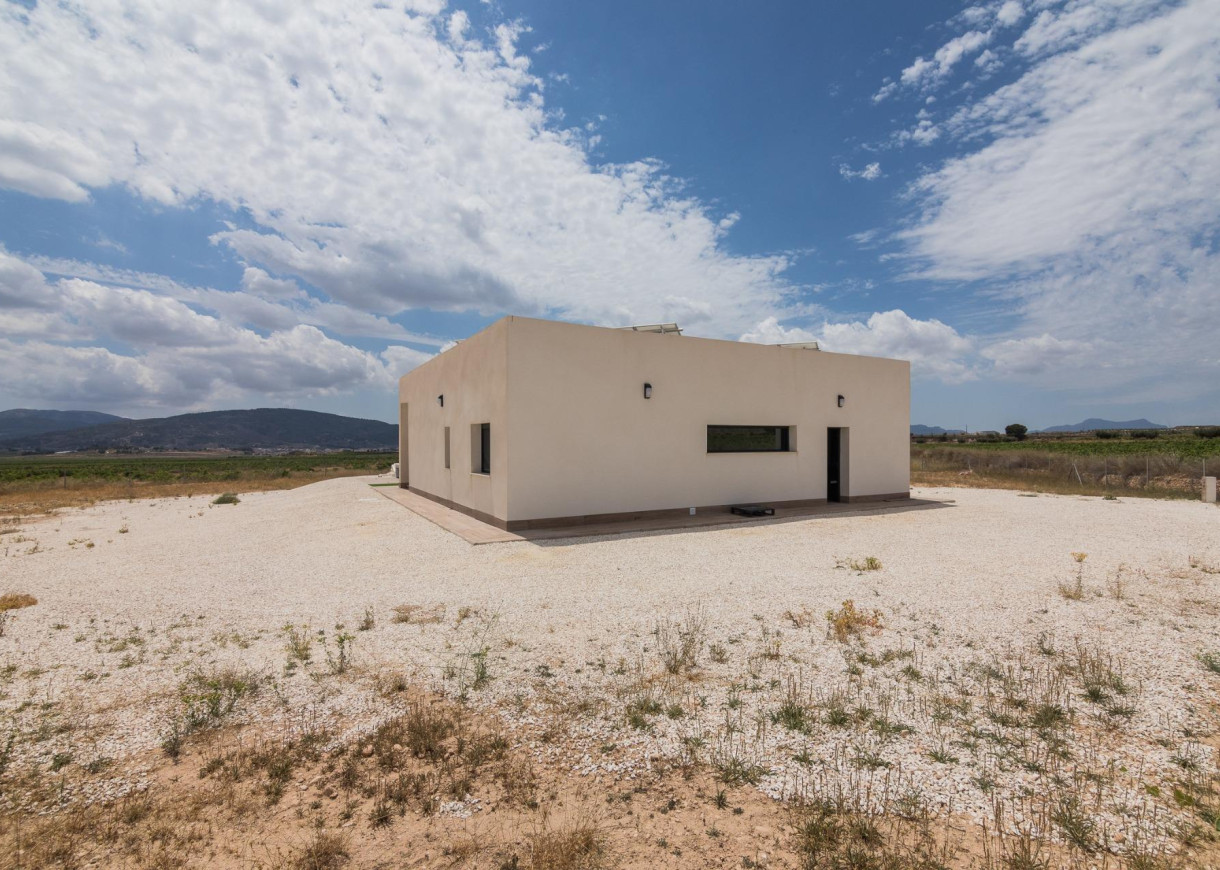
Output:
(440, 400)
(647, 391)
(842, 401)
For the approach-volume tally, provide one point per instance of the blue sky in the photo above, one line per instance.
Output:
(291, 204)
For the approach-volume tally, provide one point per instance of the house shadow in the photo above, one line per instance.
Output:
(719, 520)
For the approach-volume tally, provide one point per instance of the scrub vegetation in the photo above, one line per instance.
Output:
(1157, 463)
(36, 484)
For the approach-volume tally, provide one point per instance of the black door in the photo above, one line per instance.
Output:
(485, 448)
(834, 445)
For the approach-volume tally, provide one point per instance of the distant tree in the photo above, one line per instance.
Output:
(1016, 430)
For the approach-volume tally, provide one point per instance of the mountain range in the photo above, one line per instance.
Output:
(1094, 423)
(260, 428)
(1090, 425)
(23, 422)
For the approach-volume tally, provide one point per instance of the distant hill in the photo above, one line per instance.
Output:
(23, 422)
(1094, 423)
(265, 428)
(917, 429)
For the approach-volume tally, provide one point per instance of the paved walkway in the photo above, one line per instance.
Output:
(477, 532)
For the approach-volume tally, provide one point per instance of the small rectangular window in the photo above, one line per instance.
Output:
(446, 446)
(749, 439)
(480, 448)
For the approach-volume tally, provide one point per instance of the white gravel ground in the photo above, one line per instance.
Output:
(171, 585)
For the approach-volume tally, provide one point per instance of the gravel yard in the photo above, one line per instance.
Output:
(982, 664)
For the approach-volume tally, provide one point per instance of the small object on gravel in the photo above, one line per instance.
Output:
(367, 750)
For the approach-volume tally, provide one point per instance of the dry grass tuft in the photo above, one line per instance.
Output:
(16, 600)
(831, 835)
(327, 850)
(868, 563)
(802, 618)
(580, 846)
(680, 642)
(848, 621)
(417, 614)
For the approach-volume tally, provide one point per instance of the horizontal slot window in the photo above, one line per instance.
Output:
(749, 439)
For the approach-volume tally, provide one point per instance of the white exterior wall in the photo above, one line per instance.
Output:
(583, 440)
(573, 435)
(472, 379)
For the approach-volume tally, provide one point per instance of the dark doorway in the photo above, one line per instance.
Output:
(834, 455)
(485, 448)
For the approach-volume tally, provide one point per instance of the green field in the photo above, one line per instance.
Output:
(1172, 464)
(76, 469)
(1176, 444)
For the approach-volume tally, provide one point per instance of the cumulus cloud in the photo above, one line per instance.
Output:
(1009, 13)
(21, 285)
(175, 354)
(923, 70)
(934, 349)
(392, 160)
(771, 331)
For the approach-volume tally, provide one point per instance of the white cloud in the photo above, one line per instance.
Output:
(390, 160)
(399, 359)
(885, 91)
(1086, 199)
(1037, 355)
(916, 72)
(268, 303)
(21, 285)
(923, 71)
(175, 356)
(933, 348)
(771, 331)
(1009, 13)
(923, 133)
(258, 282)
(987, 61)
(870, 172)
(1069, 24)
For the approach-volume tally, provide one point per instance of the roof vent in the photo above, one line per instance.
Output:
(659, 328)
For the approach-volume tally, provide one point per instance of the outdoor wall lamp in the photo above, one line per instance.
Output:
(842, 401)
(647, 391)
(440, 400)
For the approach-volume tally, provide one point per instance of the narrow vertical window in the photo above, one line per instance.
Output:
(446, 446)
(480, 448)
